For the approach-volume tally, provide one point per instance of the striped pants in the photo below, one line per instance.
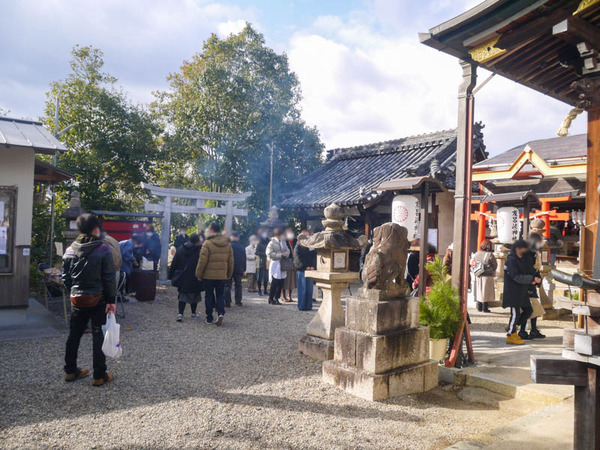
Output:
(518, 318)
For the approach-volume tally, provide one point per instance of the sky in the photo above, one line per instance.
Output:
(364, 75)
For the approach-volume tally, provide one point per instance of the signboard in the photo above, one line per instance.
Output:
(3, 240)
(405, 212)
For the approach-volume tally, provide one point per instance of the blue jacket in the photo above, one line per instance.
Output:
(153, 246)
(127, 256)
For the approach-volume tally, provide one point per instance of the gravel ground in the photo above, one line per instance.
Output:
(191, 385)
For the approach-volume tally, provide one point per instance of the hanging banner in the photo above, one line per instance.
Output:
(508, 224)
(405, 212)
(3, 240)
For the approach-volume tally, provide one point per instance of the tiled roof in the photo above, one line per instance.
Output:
(552, 149)
(350, 174)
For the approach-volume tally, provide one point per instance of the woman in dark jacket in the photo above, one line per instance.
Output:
(517, 278)
(182, 275)
(304, 259)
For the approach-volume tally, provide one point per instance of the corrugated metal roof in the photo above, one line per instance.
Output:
(28, 134)
(350, 175)
(552, 149)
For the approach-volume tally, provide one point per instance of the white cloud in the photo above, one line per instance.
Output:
(224, 29)
(362, 84)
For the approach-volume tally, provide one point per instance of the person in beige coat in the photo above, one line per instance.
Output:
(215, 267)
(484, 283)
(276, 251)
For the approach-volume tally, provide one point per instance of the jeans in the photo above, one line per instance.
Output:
(235, 280)
(305, 291)
(262, 277)
(214, 289)
(79, 320)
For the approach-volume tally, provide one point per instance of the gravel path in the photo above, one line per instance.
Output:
(191, 385)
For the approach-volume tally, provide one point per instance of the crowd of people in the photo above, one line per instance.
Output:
(272, 262)
(214, 263)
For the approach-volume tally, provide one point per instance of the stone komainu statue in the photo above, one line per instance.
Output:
(385, 263)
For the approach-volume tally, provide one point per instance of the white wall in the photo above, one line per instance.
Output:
(17, 167)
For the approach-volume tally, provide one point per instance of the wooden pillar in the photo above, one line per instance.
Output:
(462, 203)
(546, 217)
(587, 413)
(165, 239)
(526, 220)
(424, 239)
(588, 235)
(368, 224)
(481, 224)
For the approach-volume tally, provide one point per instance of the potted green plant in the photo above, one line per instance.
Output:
(440, 310)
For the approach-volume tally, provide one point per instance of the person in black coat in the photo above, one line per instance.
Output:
(182, 275)
(517, 279)
(304, 259)
(412, 262)
(181, 238)
(262, 272)
(239, 267)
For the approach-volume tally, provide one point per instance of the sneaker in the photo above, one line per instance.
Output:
(194, 316)
(524, 335)
(535, 334)
(179, 317)
(209, 321)
(108, 377)
(514, 339)
(79, 374)
(219, 321)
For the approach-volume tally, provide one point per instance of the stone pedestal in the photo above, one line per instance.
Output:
(382, 351)
(320, 332)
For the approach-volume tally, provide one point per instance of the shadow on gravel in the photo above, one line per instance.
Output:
(291, 405)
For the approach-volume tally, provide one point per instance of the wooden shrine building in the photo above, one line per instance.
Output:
(552, 47)
(351, 177)
(555, 170)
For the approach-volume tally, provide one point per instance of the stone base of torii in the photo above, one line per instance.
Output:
(167, 207)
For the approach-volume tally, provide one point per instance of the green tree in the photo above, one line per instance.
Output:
(112, 145)
(223, 109)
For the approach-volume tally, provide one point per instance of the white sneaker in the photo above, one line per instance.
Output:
(219, 321)
(194, 316)
(179, 317)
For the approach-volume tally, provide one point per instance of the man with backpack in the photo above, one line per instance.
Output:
(89, 276)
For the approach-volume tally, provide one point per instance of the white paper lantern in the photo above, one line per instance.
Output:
(405, 212)
(508, 224)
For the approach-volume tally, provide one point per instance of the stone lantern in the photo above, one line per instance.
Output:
(333, 277)
(70, 215)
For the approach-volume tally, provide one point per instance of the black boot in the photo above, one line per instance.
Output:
(479, 306)
(486, 309)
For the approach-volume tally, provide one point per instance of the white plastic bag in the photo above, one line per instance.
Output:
(112, 341)
(147, 264)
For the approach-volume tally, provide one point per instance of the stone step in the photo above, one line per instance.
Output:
(538, 393)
